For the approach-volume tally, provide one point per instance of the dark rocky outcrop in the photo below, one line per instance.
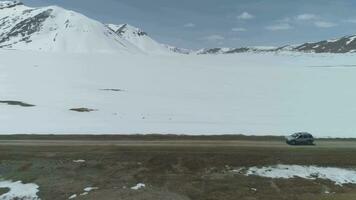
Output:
(24, 28)
(17, 103)
(345, 44)
(82, 109)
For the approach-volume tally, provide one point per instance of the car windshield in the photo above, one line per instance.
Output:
(295, 135)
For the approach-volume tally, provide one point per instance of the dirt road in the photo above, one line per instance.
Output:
(179, 143)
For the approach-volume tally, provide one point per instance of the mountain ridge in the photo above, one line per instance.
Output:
(345, 44)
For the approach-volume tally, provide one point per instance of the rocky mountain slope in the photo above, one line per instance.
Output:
(345, 44)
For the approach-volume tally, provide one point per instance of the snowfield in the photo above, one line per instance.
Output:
(337, 175)
(181, 94)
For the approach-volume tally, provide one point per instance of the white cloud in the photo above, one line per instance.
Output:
(279, 27)
(189, 25)
(350, 21)
(324, 24)
(306, 16)
(213, 38)
(245, 16)
(239, 29)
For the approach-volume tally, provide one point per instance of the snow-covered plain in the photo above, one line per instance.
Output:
(337, 175)
(183, 94)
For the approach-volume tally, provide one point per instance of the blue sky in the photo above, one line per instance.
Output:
(228, 23)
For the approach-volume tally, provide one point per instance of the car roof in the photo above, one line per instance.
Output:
(302, 133)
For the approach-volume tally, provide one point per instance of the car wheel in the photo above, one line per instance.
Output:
(293, 142)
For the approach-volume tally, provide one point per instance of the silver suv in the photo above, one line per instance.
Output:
(300, 138)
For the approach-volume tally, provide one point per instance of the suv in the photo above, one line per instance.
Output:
(300, 138)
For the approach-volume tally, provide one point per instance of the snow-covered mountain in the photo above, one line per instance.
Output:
(55, 29)
(142, 41)
(345, 44)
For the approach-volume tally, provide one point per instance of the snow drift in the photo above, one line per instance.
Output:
(339, 176)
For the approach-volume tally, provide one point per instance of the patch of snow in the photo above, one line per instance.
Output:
(19, 190)
(88, 189)
(239, 170)
(138, 186)
(73, 196)
(339, 176)
(79, 161)
(264, 47)
(333, 40)
(351, 39)
(84, 193)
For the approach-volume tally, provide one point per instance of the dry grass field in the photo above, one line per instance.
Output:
(171, 167)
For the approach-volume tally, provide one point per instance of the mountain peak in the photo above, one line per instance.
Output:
(141, 40)
(124, 29)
